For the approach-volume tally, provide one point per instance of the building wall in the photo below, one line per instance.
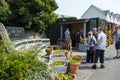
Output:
(93, 13)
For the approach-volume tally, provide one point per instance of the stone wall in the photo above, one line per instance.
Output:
(28, 34)
(16, 33)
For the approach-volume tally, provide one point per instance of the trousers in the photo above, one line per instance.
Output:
(99, 55)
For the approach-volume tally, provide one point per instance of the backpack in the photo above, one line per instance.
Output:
(118, 35)
(92, 45)
(92, 42)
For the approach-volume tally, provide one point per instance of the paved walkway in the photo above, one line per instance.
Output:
(112, 67)
(85, 70)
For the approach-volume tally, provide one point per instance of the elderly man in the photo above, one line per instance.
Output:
(95, 33)
(100, 48)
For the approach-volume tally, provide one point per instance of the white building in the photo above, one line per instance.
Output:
(95, 12)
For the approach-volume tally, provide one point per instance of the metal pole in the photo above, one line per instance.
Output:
(84, 33)
(61, 35)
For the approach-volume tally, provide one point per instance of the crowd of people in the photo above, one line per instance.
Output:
(96, 44)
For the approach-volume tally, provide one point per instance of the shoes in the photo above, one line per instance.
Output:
(116, 57)
(102, 66)
(94, 66)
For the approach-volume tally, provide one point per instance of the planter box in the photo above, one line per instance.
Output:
(60, 69)
(57, 56)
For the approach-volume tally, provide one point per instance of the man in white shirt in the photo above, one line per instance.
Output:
(100, 48)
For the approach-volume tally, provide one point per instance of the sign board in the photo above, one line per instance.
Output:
(15, 32)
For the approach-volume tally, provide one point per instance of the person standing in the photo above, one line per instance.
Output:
(90, 43)
(67, 38)
(95, 33)
(117, 41)
(100, 48)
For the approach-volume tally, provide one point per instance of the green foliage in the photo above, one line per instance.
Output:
(31, 14)
(67, 19)
(58, 51)
(4, 10)
(77, 57)
(58, 63)
(64, 76)
(17, 66)
(74, 61)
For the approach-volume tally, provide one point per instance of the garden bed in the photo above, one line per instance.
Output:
(59, 68)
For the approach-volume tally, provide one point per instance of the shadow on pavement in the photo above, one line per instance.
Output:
(108, 59)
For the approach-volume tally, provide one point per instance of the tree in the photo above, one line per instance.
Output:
(32, 14)
(4, 11)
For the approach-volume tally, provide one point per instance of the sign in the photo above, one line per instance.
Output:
(15, 32)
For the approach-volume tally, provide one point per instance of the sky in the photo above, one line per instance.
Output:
(76, 8)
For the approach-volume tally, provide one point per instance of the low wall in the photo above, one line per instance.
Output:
(24, 44)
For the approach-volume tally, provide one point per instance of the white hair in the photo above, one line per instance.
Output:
(90, 32)
(94, 29)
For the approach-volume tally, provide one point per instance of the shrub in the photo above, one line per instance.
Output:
(16, 66)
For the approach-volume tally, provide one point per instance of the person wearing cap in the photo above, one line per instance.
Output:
(116, 32)
(90, 43)
(100, 48)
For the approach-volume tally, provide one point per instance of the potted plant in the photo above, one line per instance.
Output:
(51, 47)
(58, 51)
(48, 51)
(57, 55)
(77, 57)
(66, 53)
(59, 65)
(56, 47)
(65, 76)
(73, 66)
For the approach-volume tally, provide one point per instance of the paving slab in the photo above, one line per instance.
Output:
(85, 69)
